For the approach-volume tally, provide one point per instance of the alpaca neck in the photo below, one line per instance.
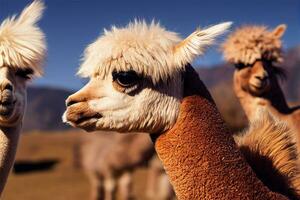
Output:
(200, 155)
(274, 100)
(9, 137)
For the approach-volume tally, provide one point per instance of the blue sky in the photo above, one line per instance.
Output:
(72, 24)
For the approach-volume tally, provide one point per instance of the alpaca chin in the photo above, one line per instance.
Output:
(15, 117)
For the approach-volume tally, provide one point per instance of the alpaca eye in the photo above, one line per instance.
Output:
(126, 79)
(240, 65)
(24, 73)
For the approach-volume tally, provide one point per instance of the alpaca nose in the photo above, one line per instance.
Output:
(6, 96)
(262, 77)
(75, 98)
(70, 101)
(7, 86)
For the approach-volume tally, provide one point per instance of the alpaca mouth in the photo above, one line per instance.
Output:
(86, 122)
(261, 86)
(87, 118)
(7, 108)
(259, 89)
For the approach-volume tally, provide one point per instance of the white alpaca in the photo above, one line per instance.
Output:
(22, 51)
(132, 52)
(141, 80)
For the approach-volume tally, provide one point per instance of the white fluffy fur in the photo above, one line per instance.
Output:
(22, 43)
(147, 111)
(150, 50)
(250, 43)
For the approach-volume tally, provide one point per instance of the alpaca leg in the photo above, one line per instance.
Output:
(97, 189)
(152, 180)
(110, 188)
(165, 190)
(125, 186)
(153, 175)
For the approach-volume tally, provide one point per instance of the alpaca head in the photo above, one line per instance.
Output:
(254, 50)
(22, 49)
(135, 78)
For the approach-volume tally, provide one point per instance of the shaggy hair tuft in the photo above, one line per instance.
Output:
(269, 146)
(22, 43)
(148, 49)
(250, 43)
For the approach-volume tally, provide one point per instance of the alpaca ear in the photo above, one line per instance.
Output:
(196, 43)
(32, 13)
(279, 30)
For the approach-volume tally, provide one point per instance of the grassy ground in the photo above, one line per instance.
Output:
(64, 181)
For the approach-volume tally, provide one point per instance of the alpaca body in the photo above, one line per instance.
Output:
(158, 184)
(270, 149)
(109, 160)
(276, 105)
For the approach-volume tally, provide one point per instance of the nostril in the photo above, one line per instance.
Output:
(71, 102)
(259, 77)
(8, 87)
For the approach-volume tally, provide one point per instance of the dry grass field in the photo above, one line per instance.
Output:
(64, 181)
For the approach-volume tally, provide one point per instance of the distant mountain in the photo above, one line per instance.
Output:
(46, 105)
(44, 108)
(292, 66)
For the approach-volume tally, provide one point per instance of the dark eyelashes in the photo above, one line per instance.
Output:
(24, 73)
(240, 65)
(126, 78)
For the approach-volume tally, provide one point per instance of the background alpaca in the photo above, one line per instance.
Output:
(255, 51)
(271, 138)
(109, 160)
(142, 81)
(158, 184)
(22, 50)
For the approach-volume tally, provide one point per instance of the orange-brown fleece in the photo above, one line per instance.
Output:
(200, 155)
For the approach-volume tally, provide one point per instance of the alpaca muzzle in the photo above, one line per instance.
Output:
(7, 102)
(81, 116)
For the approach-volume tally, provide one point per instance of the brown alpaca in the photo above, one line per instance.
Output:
(109, 160)
(142, 81)
(220, 170)
(255, 51)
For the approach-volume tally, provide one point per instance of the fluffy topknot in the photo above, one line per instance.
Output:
(22, 43)
(148, 49)
(250, 43)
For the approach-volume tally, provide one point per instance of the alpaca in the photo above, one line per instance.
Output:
(109, 160)
(255, 51)
(22, 51)
(141, 80)
(158, 184)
